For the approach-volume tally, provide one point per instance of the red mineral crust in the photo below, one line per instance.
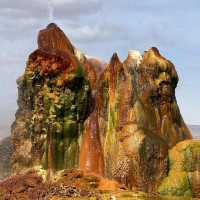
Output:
(52, 37)
(55, 54)
(91, 154)
(53, 61)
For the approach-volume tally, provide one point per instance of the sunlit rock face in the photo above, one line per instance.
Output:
(139, 118)
(54, 101)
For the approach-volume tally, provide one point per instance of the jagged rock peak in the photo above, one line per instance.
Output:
(153, 57)
(52, 37)
(115, 59)
(114, 66)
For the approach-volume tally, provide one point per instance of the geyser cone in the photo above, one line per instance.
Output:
(52, 37)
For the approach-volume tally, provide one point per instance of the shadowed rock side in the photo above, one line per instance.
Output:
(54, 101)
(5, 154)
(139, 118)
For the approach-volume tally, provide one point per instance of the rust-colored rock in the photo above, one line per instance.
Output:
(52, 37)
(53, 62)
(28, 186)
(69, 184)
(91, 153)
(139, 118)
(97, 64)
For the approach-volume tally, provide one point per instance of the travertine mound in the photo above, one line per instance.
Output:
(138, 118)
(54, 100)
(117, 120)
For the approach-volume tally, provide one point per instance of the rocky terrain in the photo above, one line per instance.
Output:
(88, 129)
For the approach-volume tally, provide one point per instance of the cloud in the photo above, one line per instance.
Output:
(76, 8)
(23, 9)
(93, 33)
(38, 9)
(21, 19)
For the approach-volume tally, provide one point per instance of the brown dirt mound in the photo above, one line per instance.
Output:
(69, 183)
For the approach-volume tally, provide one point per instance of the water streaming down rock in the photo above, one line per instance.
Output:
(117, 120)
(91, 154)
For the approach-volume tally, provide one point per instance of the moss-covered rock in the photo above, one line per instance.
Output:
(183, 178)
(176, 184)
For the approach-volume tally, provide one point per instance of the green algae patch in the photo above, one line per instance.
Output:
(80, 72)
(184, 169)
(57, 103)
(176, 184)
(185, 156)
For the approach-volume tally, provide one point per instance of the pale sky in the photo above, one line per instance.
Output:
(99, 28)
